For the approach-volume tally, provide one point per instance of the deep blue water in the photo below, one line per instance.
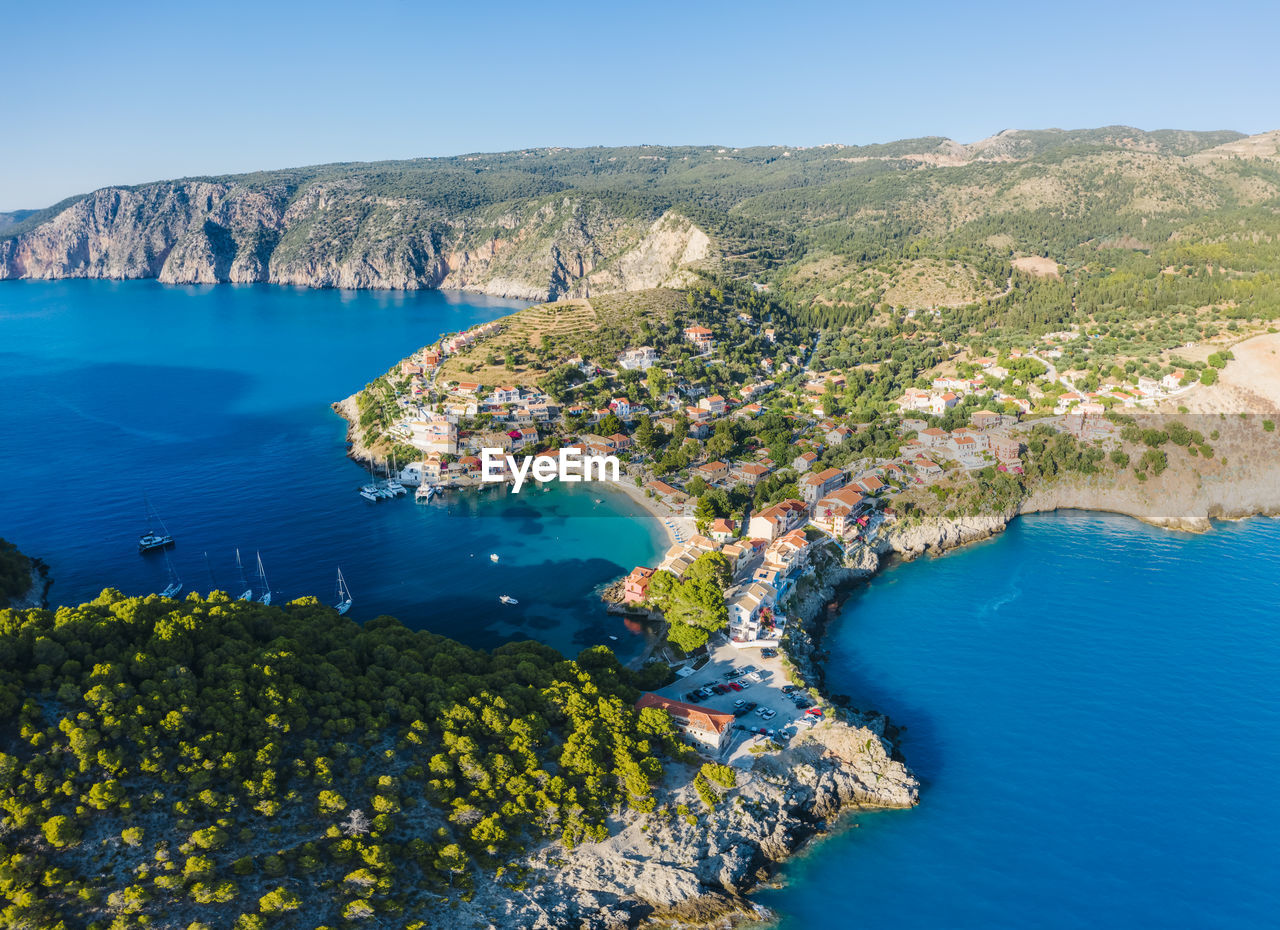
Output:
(1093, 708)
(214, 402)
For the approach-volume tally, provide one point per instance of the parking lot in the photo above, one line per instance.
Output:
(763, 686)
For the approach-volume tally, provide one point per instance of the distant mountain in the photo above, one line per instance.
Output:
(547, 223)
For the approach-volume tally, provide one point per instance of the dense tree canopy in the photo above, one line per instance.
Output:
(218, 752)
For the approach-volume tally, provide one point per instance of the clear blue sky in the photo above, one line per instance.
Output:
(116, 93)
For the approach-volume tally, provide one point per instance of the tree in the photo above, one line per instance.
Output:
(61, 831)
(278, 901)
(703, 513)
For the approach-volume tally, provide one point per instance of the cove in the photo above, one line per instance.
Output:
(214, 401)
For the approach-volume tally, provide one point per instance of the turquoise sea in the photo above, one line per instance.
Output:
(1093, 707)
(213, 402)
(1092, 704)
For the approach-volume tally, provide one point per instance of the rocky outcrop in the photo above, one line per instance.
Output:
(912, 540)
(667, 868)
(343, 233)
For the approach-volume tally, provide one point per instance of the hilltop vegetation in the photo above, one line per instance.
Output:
(15, 573)
(203, 762)
(918, 221)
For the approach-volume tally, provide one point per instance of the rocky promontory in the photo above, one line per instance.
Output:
(693, 868)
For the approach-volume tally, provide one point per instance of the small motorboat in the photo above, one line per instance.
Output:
(493, 556)
(507, 599)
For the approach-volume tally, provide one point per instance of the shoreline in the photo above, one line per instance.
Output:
(655, 509)
(657, 874)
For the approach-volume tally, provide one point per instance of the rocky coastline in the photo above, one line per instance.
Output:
(696, 868)
(348, 233)
(37, 594)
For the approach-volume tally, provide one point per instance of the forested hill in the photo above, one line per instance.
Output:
(205, 762)
(830, 223)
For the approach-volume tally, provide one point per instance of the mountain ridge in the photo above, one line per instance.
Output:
(549, 223)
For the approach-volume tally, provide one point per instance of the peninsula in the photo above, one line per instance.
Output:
(807, 361)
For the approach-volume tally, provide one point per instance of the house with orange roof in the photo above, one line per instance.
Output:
(838, 512)
(722, 529)
(712, 472)
(707, 727)
(870, 484)
(715, 405)
(772, 522)
(804, 461)
(817, 485)
(926, 468)
(667, 492)
(700, 336)
(635, 588)
(749, 472)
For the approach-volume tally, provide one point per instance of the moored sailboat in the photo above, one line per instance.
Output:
(262, 577)
(248, 591)
(344, 595)
(175, 583)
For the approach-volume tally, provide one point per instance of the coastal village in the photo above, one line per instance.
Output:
(751, 451)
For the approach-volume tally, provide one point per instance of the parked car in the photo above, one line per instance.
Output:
(750, 706)
(762, 711)
(693, 697)
(739, 702)
(743, 685)
(787, 689)
(746, 669)
(769, 713)
(769, 653)
(740, 711)
(735, 686)
(721, 689)
(733, 673)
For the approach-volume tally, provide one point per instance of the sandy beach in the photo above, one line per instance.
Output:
(660, 510)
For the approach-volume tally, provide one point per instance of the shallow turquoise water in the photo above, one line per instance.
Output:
(1092, 707)
(214, 401)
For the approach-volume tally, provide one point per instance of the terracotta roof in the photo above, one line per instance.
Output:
(696, 717)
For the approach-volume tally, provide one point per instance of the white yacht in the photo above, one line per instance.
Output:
(493, 556)
(507, 599)
(151, 540)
